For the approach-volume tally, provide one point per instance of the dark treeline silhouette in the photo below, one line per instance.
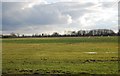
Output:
(80, 33)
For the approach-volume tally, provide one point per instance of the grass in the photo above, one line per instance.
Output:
(60, 55)
(63, 40)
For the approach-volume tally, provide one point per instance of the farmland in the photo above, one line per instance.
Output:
(73, 55)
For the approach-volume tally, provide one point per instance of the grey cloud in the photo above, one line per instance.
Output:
(13, 16)
(108, 4)
(0, 17)
(75, 10)
(45, 15)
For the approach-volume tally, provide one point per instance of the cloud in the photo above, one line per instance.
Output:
(38, 15)
(23, 0)
(58, 16)
(0, 18)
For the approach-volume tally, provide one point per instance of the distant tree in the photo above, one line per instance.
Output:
(55, 34)
(111, 33)
(18, 35)
(82, 32)
(36, 35)
(13, 34)
(101, 32)
(39, 35)
(1, 36)
(73, 33)
(119, 32)
(79, 33)
(23, 35)
(42, 34)
(33, 35)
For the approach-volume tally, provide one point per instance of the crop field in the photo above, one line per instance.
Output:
(62, 55)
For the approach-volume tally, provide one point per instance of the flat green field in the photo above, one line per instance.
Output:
(93, 55)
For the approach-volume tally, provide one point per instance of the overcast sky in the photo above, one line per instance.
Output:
(48, 16)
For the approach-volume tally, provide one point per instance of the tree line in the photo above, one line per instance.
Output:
(95, 32)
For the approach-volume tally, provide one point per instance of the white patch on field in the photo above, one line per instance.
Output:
(91, 52)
